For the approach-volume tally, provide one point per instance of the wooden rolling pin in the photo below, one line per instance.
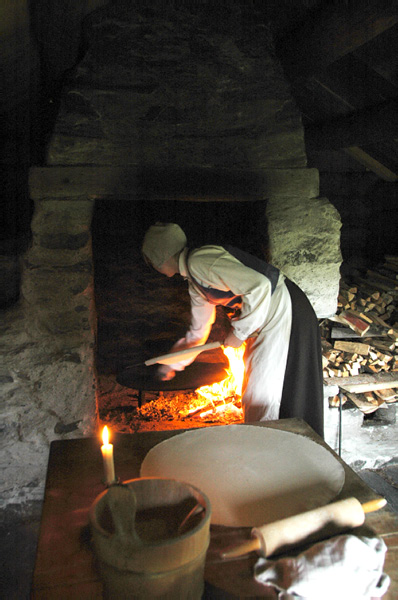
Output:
(318, 523)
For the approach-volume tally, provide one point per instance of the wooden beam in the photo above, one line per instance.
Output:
(360, 128)
(332, 31)
(319, 98)
(354, 84)
(371, 163)
(160, 183)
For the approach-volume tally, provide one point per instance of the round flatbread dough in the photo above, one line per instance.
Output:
(252, 475)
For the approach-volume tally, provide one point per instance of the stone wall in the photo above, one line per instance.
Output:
(47, 366)
(171, 88)
(188, 88)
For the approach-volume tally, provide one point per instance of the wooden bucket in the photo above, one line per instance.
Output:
(161, 552)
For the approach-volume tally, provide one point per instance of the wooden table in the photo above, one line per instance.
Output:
(65, 563)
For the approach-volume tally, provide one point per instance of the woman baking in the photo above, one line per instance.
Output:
(283, 359)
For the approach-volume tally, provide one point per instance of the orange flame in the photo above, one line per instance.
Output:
(105, 436)
(232, 384)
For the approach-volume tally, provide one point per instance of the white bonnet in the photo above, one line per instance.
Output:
(162, 241)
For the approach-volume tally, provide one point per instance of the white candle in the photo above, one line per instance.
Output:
(107, 455)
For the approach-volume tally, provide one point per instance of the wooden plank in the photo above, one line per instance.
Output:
(378, 285)
(161, 183)
(353, 347)
(368, 382)
(361, 388)
(338, 333)
(332, 31)
(371, 163)
(388, 395)
(363, 403)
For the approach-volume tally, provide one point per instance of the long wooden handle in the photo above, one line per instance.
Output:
(174, 357)
(320, 522)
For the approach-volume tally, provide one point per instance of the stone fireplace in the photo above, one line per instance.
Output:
(172, 114)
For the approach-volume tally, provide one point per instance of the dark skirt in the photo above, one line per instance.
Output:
(302, 394)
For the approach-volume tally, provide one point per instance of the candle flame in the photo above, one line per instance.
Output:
(105, 436)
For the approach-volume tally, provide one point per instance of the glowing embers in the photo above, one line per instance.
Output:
(216, 403)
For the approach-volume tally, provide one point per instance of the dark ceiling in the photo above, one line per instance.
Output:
(341, 60)
(340, 57)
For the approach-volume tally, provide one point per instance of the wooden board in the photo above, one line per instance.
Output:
(65, 563)
(364, 383)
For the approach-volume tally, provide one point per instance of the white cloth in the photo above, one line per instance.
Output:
(269, 315)
(345, 567)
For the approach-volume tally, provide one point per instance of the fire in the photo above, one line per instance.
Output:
(219, 402)
(224, 395)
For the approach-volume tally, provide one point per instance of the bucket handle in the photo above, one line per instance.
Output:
(122, 504)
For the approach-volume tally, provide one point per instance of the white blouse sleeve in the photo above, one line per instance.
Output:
(224, 272)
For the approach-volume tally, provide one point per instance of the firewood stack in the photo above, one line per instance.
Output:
(362, 338)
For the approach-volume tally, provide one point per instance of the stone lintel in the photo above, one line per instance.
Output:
(164, 183)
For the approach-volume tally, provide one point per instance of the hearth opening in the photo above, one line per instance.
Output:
(140, 314)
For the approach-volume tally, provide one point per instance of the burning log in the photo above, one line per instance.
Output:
(220, 401)
(224, 407)
(214, 406)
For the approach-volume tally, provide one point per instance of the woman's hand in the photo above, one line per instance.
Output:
(232, 340)
(165, 373)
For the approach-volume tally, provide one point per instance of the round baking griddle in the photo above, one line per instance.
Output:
(194, 376)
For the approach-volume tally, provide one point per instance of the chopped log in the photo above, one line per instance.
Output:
(372, 368)
(389, 270)
(383, 344)
(388, 298)
(335, 372)
(354, 321)
(335, 400)
(354, 369)
(391, 258)
(367, 318)
(377, 285)
(346, 296)
(364, 317)
(378, 276)
(371, 398)
(362, 403)
(379, 321)
(388, 395)
(354, 347)
(391, 266)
